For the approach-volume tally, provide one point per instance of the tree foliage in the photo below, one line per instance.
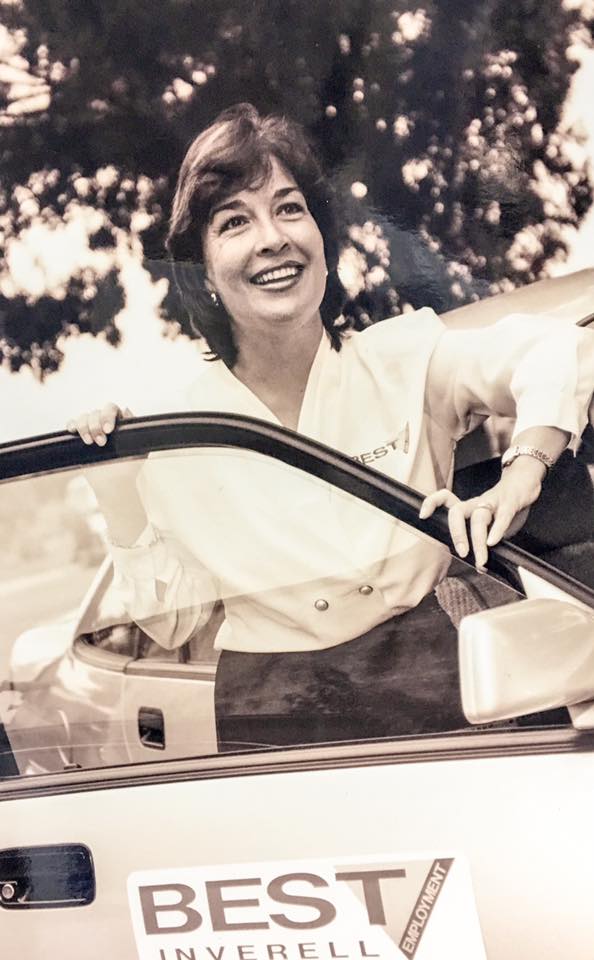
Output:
(445, 117)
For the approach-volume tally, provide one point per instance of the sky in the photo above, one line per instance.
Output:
(149, 372)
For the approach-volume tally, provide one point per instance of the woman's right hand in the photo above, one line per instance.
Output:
(95, 426)
(114, 483)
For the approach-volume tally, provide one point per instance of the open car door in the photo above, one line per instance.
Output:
(126, 830)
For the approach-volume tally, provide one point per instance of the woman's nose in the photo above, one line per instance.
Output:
(271, 236)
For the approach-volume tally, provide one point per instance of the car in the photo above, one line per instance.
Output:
(125, 832)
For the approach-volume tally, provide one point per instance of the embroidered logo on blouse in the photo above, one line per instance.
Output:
(401, 442)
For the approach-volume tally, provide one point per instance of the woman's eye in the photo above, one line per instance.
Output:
(291, 207)
(232, 223)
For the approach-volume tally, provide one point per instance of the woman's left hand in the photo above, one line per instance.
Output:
(500, 511)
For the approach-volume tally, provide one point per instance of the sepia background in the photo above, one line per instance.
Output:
(459, 136)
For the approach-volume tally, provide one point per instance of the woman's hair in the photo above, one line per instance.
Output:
(234, 153)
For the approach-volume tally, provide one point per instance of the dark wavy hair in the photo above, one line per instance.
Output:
(234, 153)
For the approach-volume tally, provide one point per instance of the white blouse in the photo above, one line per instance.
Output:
(298, 564)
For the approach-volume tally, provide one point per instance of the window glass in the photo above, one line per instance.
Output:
(52, 545)
(298, 591)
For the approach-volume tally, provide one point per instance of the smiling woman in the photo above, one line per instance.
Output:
(249, 187)
(255, 246)
(264, 258)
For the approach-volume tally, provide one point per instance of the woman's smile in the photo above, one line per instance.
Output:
(264, 253)
(278, 278)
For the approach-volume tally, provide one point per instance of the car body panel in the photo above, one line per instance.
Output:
(435, 807)
(88, 707)
(187, 706)
(38, 647)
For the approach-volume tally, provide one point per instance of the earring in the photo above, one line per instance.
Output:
(214, 298)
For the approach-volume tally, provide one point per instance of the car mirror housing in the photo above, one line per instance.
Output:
(525, 657)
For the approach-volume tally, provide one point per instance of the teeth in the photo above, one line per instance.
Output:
(281, 273)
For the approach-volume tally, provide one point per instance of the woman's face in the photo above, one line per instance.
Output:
(264, 254)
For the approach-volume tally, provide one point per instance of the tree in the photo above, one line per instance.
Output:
(439, 126)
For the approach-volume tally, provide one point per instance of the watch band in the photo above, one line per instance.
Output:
(512, 453)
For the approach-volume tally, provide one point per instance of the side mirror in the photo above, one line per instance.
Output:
(525, 657)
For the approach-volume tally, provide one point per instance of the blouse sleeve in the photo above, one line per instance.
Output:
(535, 368)
(163, 587)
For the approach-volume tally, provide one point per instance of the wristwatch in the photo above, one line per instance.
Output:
(512, 453)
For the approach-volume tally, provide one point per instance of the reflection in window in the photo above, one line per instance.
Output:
(255, 556)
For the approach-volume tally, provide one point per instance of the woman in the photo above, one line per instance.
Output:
(254, 241)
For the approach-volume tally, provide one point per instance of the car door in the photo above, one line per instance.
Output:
(312, 850)
(165, 695)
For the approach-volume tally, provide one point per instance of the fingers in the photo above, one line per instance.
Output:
(499, 512)
(457, 525)
(488, 525)
(94, 427)
(440, 498)
(480, 521)
(481, 518)
(501, 524)
(456, 516)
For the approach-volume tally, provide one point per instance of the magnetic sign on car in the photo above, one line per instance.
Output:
(391, 907)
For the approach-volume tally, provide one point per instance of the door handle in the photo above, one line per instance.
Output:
(57, 875)
(151, 727)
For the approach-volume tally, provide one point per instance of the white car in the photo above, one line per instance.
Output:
(125, 833)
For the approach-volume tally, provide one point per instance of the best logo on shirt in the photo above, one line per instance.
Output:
(401, 442)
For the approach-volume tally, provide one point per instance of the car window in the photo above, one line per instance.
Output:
(109, 653)
(52, 546)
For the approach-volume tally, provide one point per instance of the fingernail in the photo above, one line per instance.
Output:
(101, 441)
(491, 540)
(108, 427)
(461, 548)
(423, 513)
(86, 437)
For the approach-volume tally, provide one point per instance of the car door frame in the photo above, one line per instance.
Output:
(140, 436)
